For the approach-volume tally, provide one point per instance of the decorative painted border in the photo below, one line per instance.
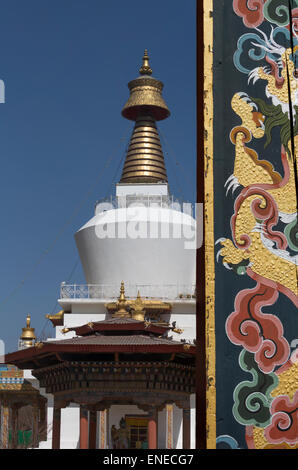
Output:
(209, 226)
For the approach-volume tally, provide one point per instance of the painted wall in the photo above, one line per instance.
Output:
(255, 139)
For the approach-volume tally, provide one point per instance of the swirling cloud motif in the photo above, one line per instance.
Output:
(257, 332)
(255, 47)
(294, 25)
(251, 11)
(250, 48)
(252, 399)
(226, 442)
(278, 12)
(284, 424)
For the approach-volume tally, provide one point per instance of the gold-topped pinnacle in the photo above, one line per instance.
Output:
(144, 161)
(138, 312)
(145, 69)
(28, 333)
(122, 304)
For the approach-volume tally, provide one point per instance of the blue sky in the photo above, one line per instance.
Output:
(65, 65)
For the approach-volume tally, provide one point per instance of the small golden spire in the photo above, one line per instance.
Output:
(28, 334)
(138, 312)
(145, 69)
(144, 162)
(121, 304)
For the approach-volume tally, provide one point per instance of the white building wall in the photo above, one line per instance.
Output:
(193, 421)
(177, 427)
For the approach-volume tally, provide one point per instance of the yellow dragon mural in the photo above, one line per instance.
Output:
(264, 229)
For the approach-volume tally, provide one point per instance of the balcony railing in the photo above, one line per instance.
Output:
(104, 291)
(153, 200)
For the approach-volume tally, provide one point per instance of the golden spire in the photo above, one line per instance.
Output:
(144, 160)
(121, 304)
(138, 312)
(28, 336)
(145, 69)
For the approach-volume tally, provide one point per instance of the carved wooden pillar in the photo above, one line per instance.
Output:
(14, 426)
(186, 428)
(56, 426)
(43, 421)
(92, 429)
(35, 427)
(152, 429)
(83, 427)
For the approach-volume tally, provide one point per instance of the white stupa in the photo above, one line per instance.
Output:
(141, 237)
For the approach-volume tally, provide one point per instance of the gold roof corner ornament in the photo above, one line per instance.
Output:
(64, 330)
(28, 333)
(145, 69)
(57, 318)
(39, 345)
(144, 161)
(179, 331)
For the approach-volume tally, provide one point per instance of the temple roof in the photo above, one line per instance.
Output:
(100, 339)
(119, 340)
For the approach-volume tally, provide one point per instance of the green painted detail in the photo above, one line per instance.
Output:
(252, 399)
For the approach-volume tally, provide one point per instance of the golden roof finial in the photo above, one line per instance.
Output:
(138, 312)
(121, 304)
(145, 69)
(28, 333)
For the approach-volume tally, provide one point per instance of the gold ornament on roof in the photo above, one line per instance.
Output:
(28, 333)
(56, 319)
(121, 310)
(138, 312)
(137, 308)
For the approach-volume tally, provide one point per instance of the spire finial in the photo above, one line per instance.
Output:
(121, 304)
(28, 333)
(145, 69)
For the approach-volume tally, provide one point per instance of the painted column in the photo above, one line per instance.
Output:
(83, 428)
(169, 426)
(56, 427)
(14, 427)
(103, 429)
(186, 428)
(152, 430)
(92, 429)
(4, 430)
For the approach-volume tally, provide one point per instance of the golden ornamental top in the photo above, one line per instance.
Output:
(145, 95)
(145, 69)
(28, 333)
